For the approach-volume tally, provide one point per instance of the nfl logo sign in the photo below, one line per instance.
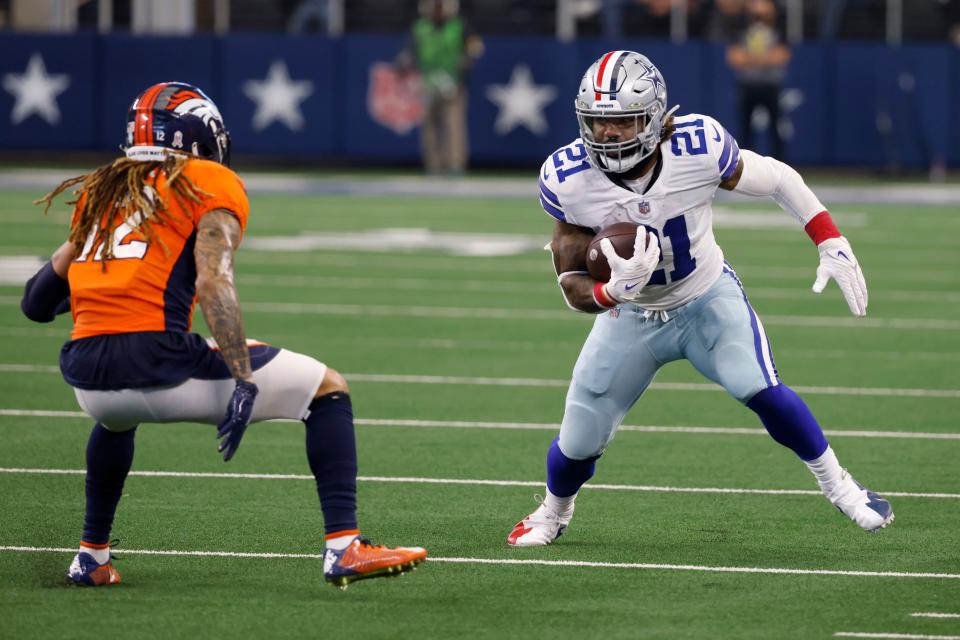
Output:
(644, 207)
(393, 99)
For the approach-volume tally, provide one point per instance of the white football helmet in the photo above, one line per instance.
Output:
(622, 84)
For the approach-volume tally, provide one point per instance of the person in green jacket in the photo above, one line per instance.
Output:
(442, 49)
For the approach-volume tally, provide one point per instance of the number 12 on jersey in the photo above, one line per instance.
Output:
(683, 263)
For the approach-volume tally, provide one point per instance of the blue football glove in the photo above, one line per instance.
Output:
(234, 423)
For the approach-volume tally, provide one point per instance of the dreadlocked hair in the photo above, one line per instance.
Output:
(125, 185)
(668, 130)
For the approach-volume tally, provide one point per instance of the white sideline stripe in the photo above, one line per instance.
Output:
(29, 368)
(882, 392)
(795, 293)
(531, 345)
(930, 614)
(666, 386)
(42, 413)
(460, 481)
(515, 561)
(904, 636)
(490, 313)
(547, 426)
(544, 287)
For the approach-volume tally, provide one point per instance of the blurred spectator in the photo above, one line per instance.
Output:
(310, 16)
(951, 19)
(442, 49)
(643, 18)
(726, 21)
(759, 57)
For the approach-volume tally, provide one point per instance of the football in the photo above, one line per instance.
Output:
(622, 236)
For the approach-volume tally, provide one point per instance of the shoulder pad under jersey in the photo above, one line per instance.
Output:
(561, 179)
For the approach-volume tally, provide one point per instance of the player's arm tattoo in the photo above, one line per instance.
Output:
(569, 247)
(218, 236)
(731, 183)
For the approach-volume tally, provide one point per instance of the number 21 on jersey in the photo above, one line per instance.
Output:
(573, 161)
(683, 263)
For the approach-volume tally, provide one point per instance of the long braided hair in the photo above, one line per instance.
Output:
(125, 185)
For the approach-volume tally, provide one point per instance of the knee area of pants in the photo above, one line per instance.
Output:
(573, 451)
(741, 375)
(333, 382)
(585, 431)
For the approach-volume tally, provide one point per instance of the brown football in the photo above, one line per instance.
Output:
(622, 236)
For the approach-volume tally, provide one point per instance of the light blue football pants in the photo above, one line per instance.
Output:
(719, 334)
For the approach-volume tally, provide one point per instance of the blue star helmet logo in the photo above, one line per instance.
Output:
(651, 74)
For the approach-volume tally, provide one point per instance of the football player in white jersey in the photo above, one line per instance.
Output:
(676, 298)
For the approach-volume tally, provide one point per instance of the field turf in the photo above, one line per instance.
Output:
(684, 534)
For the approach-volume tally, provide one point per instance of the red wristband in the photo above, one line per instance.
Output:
(821, 228)
(601, 297)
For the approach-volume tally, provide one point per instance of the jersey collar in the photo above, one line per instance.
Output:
(657, 168)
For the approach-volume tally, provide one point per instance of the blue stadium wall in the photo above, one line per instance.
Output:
(855, 104)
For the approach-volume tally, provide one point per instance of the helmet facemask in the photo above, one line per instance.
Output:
(626, 86)
(622, 155)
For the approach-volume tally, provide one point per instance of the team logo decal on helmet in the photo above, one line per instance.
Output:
(622, 84)
(178, 116)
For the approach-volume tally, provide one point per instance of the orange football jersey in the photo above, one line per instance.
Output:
(145, 288)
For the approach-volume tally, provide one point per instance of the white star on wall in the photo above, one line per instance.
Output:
(521, 102)
(278, 98)
(35, 91)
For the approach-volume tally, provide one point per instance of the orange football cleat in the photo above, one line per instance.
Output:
(84, 570)
(362, 559)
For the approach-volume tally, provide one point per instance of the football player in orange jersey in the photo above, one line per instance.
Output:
(153, 233)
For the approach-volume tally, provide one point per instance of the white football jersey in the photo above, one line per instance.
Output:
(676, 204)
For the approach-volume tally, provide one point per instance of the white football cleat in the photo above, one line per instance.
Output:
(866, 508)
(540, 528)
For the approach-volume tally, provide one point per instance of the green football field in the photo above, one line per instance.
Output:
(697, 525)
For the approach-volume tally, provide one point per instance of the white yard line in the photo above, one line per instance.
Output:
(883, 392)
(469, 482)
(532, 345)
(892, 636)
(911, 193)
(795, 293)
(528, 562)
(548, 426)
(545, 287)
(491, 313)
(407, 284)
(666, 386)
(930, 614)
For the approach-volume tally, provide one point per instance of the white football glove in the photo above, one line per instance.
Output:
(838, 262)
(628, 277)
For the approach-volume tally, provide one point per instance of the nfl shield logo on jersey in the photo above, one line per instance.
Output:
(644, 207)
(393, 99)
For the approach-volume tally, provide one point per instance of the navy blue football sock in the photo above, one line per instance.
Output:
(789, 421)
(565, 476)
(109, 457)
(332, 454)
